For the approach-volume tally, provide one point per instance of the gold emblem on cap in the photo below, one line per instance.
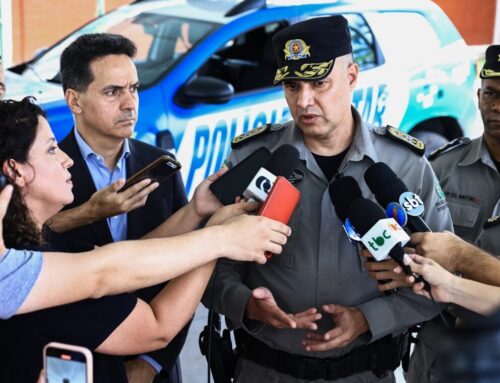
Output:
(314, 70)
(281, 73)
(489, 73)
(498, 59)
(296, 49)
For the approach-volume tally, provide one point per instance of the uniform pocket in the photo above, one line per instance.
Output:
(463, 214)
(287, 257)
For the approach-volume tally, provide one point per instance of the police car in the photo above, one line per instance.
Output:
(206, 69)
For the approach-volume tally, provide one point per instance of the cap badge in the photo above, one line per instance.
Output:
(296, 49)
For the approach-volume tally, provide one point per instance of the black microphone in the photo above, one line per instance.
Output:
(282, 162)
(388, 187)
(233, 183)
(343, 191)
(380, 235)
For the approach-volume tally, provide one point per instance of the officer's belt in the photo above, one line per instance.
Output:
(379, 357)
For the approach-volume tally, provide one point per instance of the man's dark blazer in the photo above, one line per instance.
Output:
(161, 203)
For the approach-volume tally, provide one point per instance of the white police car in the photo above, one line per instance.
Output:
(206, 70)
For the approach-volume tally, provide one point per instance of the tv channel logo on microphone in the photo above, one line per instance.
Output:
(412, 203)
(383, 236)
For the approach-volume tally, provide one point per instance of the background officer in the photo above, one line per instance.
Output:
(468, 170)
(313, 312)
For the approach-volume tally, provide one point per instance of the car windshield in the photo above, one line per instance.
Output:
(161, 40)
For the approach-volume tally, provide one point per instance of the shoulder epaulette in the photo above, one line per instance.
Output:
(401, 137)
(456, 143)
(259, 131)
(493, 221)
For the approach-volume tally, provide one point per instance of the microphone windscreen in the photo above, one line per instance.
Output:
(364, 214)
(283, 161)
(384, 183)
(233, 183)
(343, 191)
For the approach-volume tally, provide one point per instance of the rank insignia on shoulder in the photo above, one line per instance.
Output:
(456, 143)
(411, 142)
(493, 221)
(238, 140)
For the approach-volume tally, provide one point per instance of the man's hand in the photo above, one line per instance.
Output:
(4, 203)
(444, 248)
(263, 308)
(204, 202)
(108, 202)
(139, 371)
(386, 270)
(249, 238)
(350, 323)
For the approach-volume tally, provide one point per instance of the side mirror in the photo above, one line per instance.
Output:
(205, 90)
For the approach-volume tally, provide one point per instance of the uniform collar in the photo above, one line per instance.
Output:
(361, 145)
(478, 152)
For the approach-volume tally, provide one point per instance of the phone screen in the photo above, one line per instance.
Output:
(65, 366)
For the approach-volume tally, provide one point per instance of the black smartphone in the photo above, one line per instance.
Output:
(233, 183)
(158, 170)
(67, 363)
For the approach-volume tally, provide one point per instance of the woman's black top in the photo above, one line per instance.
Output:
(86, 323)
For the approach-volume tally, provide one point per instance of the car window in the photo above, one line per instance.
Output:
(246, 61)
(363, 42)
(161, 40)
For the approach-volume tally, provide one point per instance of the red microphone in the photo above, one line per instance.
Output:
(280, 202)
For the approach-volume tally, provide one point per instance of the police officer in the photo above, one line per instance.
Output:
(468, 170)
(313, 313)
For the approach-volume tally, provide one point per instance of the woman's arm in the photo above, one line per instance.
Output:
(104, 203)
(151, 327)
(130, 265)
(446, 287)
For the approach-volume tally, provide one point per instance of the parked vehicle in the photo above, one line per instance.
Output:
(206, 70)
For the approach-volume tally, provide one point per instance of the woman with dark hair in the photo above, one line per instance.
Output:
(116, 325)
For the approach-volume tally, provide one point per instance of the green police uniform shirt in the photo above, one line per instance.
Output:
(471, 184)
(318, 264)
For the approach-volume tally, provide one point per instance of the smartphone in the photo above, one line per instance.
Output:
(158, 170)
(234, 182)
(65, 363)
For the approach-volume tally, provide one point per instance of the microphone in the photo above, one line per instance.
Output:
(280, 203)
(343, 191)
(389, 188)
(233, 183)
(282, 162)
(382, 236)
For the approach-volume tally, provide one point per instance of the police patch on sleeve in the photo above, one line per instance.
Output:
(238, 140)
(411, 142)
